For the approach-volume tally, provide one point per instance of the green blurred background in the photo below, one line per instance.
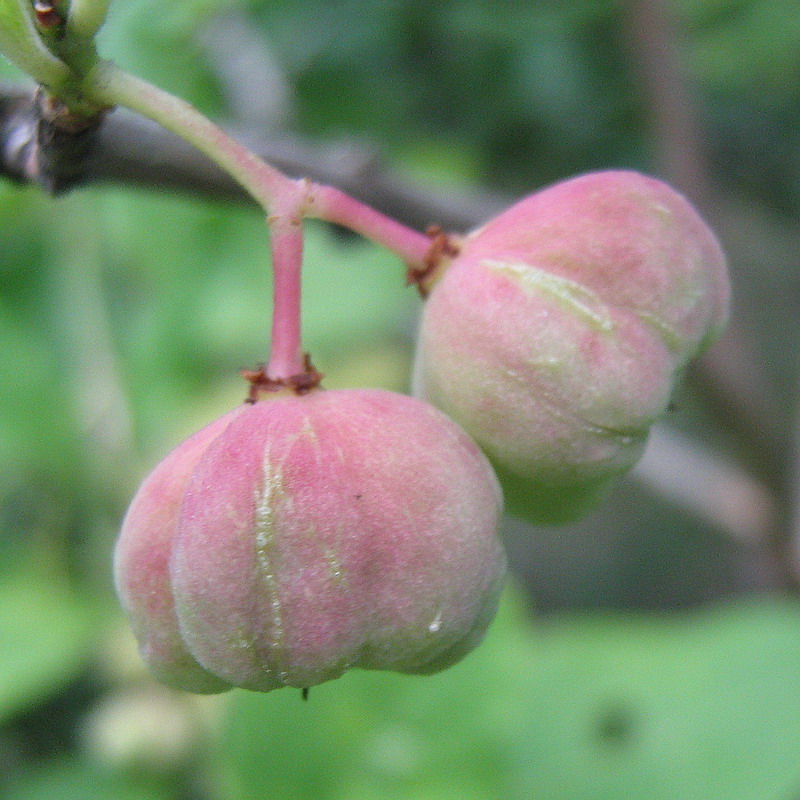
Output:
(651, 652)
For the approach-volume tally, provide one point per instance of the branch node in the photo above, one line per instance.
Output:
(63, 141)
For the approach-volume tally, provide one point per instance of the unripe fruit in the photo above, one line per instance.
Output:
(556, 334)
(300, 536)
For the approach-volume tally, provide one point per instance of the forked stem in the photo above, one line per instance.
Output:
(285, 201)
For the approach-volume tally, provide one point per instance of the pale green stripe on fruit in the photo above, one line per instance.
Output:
(580, 299)
(266, 546)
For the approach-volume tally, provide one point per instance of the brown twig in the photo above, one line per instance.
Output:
(134, 151)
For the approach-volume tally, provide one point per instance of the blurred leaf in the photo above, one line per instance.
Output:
(701, 705)
(46, 632)
(76, 780)
(353, 292)
(696, 706)
(746, 45)
(159, 41)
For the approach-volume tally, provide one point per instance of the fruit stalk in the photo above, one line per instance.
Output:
(333, 205)
(286, 243)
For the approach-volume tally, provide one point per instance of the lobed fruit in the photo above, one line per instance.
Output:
(556, 335)
(300, 536)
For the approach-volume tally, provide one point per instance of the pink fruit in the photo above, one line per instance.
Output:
(300, 536)
(556, 335)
